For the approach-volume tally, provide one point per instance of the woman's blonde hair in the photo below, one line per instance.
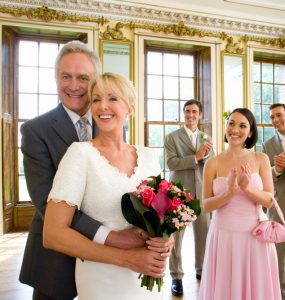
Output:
(115, 83)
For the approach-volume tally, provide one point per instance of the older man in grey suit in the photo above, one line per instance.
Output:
(186, 151)
(45, 140)
(275, 149)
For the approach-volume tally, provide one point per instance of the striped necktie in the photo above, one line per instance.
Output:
(83, 133)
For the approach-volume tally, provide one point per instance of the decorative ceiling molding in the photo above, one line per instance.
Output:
(48, 15)
(86, 10)
(272, 4)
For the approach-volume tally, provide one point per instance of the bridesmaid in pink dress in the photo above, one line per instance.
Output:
(237, 183)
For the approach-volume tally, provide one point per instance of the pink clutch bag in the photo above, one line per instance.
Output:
(269, 231)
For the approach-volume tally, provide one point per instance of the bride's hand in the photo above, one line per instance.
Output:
(144, 261)
(161, 245)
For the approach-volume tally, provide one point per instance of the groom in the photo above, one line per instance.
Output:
(45, 140)
(275, 149)
(186, 152)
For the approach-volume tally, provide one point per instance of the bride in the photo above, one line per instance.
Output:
(92, 177)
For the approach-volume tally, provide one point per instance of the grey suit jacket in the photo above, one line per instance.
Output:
(45, 140)
(273, 147)
(180, 158)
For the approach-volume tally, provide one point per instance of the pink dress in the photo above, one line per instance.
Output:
(237, 266)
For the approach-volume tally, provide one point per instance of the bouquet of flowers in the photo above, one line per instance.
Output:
(159, 207)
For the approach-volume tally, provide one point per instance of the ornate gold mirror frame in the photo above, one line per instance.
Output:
(233, 83)
(117, 57)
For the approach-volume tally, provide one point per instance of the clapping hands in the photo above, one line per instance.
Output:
(242, 181)
(244, 177)
(204, 150)
(279, 162)
(232, 180)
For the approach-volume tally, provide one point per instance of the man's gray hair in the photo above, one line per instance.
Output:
(78, 47)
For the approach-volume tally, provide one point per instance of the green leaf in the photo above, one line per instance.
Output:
(178, 183)
(195, 205)
(130, 213)
(139, 215)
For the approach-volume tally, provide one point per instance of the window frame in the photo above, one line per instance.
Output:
(180, 123)
(59, 39)
(262, 126)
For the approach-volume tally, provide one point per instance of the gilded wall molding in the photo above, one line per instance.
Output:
(233, 47)
(128, 12)
(180, 29)
(114, 33)
(176, 29)
(279, 42)
(46, 14)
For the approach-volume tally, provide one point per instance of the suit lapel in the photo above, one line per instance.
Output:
(277, 144)
(63, 126)
(185, 139)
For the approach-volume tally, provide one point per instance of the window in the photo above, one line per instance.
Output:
(36, 91)
(268, 88)
(170, 81)
(28, 90)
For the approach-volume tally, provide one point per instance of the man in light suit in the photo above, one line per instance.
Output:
(186, 152)
(45, 140)
(275, 149)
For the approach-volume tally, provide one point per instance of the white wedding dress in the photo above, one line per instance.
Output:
(86, 179)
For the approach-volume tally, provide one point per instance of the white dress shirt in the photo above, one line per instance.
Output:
(192, 135)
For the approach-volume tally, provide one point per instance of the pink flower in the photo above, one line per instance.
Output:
(161, 204)
(164, 185)
(188, 197)
(143, 185)
(140, 188)
(147, 197)
(273, 224)
(176, 202)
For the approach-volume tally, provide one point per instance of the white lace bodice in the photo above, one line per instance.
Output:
(86, 179)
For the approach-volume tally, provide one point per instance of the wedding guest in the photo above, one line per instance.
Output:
(44, 142)
(92, 177)
(186, 150)
(236, 184)
(275, 149)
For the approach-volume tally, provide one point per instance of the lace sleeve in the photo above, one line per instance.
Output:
(70, 179)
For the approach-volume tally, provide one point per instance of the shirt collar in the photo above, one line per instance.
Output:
(75, 117)
(190, 132)
(282, 137)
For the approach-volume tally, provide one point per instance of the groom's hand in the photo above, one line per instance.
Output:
(128, 238)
